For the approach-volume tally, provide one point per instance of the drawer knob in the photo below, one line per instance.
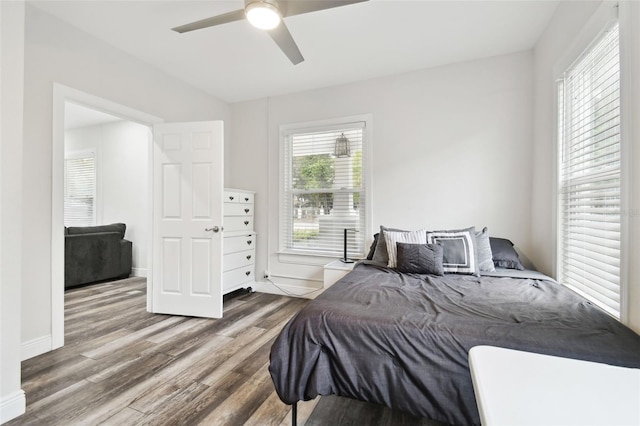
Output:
(246, 210)
(248, 257)
(246, 198)
(249, 242)
(246, 222)
(247, 273)
(231, 197)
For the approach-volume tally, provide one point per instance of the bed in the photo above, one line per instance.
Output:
(402, 340)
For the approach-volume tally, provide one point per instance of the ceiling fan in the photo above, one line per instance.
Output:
(268, 15)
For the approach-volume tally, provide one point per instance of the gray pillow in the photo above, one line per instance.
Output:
(504, 255)
(381, 255)
(420, 258)
(485, 258)
(372, 249)
(460, 255)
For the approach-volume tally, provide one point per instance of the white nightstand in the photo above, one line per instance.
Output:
(334, 271)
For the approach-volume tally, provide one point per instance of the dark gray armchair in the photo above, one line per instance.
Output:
(95, 253)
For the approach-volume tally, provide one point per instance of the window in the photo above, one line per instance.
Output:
(324, 189)
(590, 174)
(80, 189)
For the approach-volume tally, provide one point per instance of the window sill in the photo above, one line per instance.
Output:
(307, 258)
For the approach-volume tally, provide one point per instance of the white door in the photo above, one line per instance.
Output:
(187, 219)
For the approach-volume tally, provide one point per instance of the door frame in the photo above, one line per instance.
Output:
(62, 94)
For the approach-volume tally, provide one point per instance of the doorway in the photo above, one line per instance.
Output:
(106, 177)
(63, 99)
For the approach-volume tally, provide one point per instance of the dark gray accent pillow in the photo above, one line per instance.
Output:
(372, 249)
(504, 255)
(420, 258)
(381, 255)
(114, 227)
(485, 258)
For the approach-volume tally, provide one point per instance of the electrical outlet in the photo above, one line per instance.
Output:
(266, 274)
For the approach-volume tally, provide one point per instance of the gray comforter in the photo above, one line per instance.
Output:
(402, 340)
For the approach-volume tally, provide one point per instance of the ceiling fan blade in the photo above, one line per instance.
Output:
(225, 18)
(284, 40)
(298, 7)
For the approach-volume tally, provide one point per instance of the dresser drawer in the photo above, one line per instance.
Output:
(238, 260)
(237, 197)
(238, 243)
(238, 223)
(238, 209)
(236, 277)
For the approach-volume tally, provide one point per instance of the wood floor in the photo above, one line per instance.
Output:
(124, 366)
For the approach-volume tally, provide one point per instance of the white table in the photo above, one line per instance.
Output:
(523, 388)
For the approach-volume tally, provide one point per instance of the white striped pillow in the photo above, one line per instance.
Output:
(412, 237)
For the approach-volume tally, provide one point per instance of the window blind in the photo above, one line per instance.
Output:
(79, 190)
(324, 190)
(590, 174)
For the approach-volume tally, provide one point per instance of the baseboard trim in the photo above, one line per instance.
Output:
(12, 406)
(139, 272)
(35, 347)
(287, 289)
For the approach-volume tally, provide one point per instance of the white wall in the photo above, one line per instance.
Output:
(552, 47)
(451, 148)
(122, 171)
(57, 52)
(574, 26)
(12, 398)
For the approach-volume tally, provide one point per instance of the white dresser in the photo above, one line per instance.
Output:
(239, 243)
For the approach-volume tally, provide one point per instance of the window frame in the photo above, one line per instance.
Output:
(324, 125)
(605, 20)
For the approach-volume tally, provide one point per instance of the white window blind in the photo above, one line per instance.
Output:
(324, 190)
(590, 174)
(79, 190)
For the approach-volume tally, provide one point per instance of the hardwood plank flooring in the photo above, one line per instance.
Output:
(124, 366)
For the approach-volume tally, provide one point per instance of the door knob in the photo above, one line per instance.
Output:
(214, 229)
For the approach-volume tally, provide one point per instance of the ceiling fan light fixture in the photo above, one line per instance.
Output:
(263, 15)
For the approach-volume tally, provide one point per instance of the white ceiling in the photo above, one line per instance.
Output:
(236, 62)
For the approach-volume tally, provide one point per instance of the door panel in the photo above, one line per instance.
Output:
(171, 263)
(171, 191)
(187, 228)
(201, 276)
(201, 187)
